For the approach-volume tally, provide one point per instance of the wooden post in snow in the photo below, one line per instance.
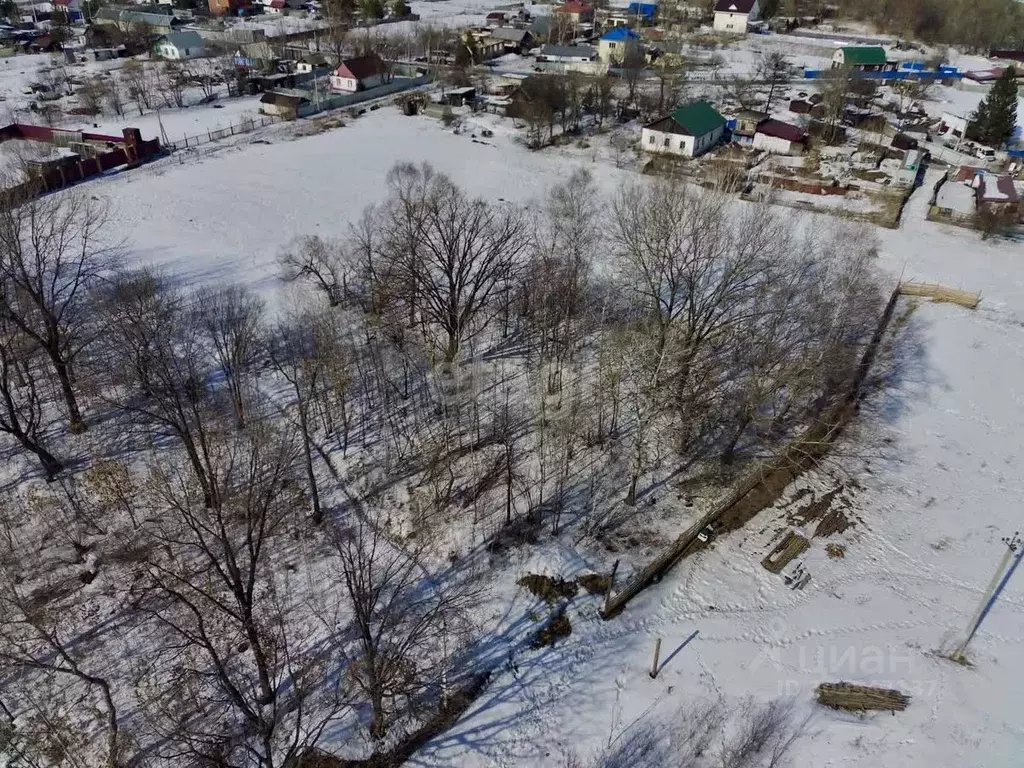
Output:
(611, 586)
(657, 653)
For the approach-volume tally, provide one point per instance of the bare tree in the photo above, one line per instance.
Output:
(37, 644)
(773, 69)
(138, 82)
(260, 682)
(160, 367)
(50, 259)
(462, 253)
(232, 318)
(303, 351)
(171, 83)
(555, 282)
(400, 623)
(326, 264)
(21, 402)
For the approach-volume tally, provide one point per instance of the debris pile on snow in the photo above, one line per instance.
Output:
(859, 698)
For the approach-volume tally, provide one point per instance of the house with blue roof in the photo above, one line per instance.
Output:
(616, 43)
(644, 12)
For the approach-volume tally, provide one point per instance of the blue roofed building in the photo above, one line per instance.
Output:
(616, 43)
(643, 11)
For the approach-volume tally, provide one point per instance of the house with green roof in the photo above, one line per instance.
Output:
(863, 58)
(690, 130)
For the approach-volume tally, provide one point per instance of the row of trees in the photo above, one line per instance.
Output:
(491, 363)
(978, 25)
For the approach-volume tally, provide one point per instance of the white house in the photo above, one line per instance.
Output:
(689, 131)
(734, 15)
(311, 63)
(179, 45)
(358, 74)
(616, 43)
(779, 138)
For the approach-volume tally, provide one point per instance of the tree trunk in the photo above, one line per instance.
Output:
(51, 465)
(631, 495)
(75, 422)
(314, 491)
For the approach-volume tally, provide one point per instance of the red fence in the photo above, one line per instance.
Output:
(129, 149)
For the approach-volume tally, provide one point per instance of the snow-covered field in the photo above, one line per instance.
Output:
(930, 472)
(933, 463)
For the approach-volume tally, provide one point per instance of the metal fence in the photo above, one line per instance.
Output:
(246, 125)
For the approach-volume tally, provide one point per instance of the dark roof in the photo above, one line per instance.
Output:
(186, 39)
(864, 55)
(780, 130)
(284, 99)
(509, 34)
(578, 51)
(360, 67)
(734, 6)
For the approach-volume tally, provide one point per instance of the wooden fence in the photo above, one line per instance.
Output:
(764, 485)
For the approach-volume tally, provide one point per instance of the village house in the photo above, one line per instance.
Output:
(994, 191)
(863, 58)
(284, 103)
(227, 7)
(746, 126)
(577, 13)
(125, 19)
(568, 54)
(779, 138)
(311, 63)
(735, 15)
(689, 131)
(497, 19)
(179, 45)
(983, 79)
(71, 10)
(614, 45)
(643, 13)
(358, 74)
(512, 40)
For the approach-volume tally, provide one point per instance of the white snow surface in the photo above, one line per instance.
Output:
(936, 458)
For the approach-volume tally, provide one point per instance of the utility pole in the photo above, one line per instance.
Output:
(995, 587)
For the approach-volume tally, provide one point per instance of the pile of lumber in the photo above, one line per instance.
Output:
(859, 698)
(941, 293)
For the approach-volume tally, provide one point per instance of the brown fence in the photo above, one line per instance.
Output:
(125, 150)
(764, 485)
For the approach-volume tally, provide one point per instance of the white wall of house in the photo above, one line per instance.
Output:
(726, 21)
(730, 22)
(351, 85)
(167, 50)
(674, 144)
(612, 51)
(775, 145)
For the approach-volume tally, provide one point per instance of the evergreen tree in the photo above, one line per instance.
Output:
(995, 119)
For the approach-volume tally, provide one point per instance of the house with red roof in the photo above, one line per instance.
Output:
(577, 13)
(779, 138)
(358, 74)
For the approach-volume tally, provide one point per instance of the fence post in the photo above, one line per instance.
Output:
(611, 586)
(654, 664)
(209, 134)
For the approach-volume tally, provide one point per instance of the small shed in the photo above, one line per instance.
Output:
(909, 170)
(283, 103)
(458, 97)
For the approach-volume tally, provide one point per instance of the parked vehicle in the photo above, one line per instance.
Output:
(706, 534)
